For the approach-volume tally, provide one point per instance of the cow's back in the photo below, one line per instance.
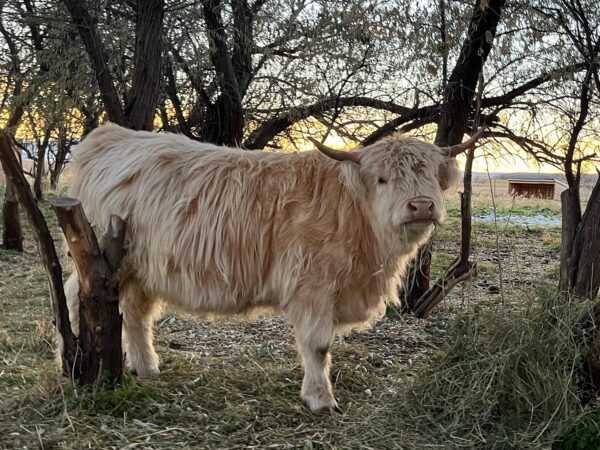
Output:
(210, 228)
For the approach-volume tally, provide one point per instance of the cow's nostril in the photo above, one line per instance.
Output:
(420, 208)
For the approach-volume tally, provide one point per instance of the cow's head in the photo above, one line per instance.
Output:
(404, 181)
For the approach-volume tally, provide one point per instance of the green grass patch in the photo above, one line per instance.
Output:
(584, 434)
(486, 269)
(440, 262)
(522, 210)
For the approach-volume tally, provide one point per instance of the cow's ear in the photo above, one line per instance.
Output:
(448, 174)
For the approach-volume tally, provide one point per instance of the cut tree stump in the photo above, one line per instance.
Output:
(99, 317)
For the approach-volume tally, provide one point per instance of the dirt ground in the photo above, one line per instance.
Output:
(236, 385)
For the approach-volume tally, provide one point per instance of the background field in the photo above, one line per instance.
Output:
(236, 385)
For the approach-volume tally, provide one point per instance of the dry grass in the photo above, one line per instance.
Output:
(507, 380)
(222, 385)
(479, 373)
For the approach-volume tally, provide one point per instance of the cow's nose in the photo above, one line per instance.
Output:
(420, 208)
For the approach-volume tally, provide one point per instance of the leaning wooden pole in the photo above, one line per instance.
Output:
(462, 268)
(99, 316)
(47, 251)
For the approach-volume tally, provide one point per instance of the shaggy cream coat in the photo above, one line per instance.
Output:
(221, 231)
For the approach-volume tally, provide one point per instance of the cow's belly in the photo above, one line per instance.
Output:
(356, 311)
(203, 292)
(220, 300)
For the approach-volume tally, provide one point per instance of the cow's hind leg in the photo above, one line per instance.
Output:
(72, 295)
(314, 336)
(139, 312)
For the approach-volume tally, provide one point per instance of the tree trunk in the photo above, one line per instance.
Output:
(99, 317)
(142, 99)
(100, 320)
(225, 119)
(60, 160)
(54, 178)
(95, 49)
(417, 281)
(47, 251)
(460, 92)
(587, 281)
(461, 269)
(39, 172)
(580, 273)
(12, 235)
(224, 122)
(455, 112)
(138, 112)
(571, 216)
(91, 118)
(580, 252)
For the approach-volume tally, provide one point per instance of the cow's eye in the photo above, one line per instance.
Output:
(381, 180)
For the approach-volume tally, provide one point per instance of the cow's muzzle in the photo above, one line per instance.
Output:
(420, 210)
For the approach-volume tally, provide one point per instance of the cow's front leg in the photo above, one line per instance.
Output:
(139, 312)
(314, 339)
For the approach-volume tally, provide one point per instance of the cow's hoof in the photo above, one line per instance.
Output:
(329, 410)
(325, 408)
(145, 372)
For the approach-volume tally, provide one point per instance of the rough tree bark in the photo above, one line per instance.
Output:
(39, 173)
(455, 113)
(580, 250)
(224, 124)
(571, 218)
(142, 99)
(99, 346)
(40, 160)
(95, 50)
(220, 120)
(99, 317)
(60, 157)
(580, 275)
(46, 249)
(12, 235)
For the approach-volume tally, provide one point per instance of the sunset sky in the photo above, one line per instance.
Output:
(488, 158)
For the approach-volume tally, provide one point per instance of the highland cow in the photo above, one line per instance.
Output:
(322, 237)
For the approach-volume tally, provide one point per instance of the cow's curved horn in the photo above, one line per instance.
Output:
(457, 149)
(338, 155)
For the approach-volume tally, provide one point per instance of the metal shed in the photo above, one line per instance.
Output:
(536, 188)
